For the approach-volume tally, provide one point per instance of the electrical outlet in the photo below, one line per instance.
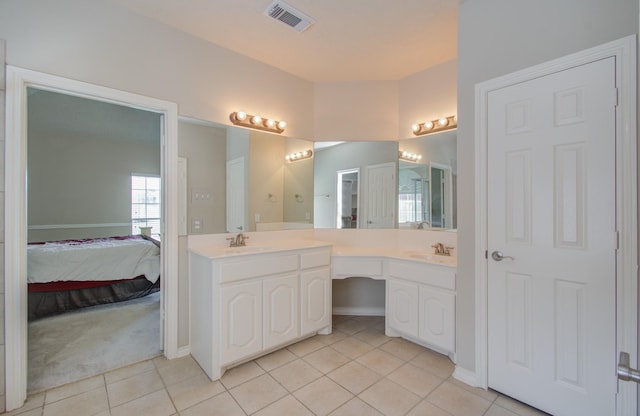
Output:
(200, 194)
(196, 224)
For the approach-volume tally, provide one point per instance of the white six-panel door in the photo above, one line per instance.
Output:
(381, 195)
(551, 215)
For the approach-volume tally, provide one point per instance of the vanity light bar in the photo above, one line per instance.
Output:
(409, 157)
(296, 156)
(434, 126)
(240, 118)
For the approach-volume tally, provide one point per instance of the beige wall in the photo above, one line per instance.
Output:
(497, 37)
(427, 95)
(360, 110)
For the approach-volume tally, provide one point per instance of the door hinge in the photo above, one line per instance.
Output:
(616, 241)
(615, 97)
(486, 254)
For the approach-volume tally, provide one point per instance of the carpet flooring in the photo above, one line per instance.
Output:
(90, 341)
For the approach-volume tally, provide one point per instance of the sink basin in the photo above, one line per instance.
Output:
(430, 257)
(427, 257)
(245, 249)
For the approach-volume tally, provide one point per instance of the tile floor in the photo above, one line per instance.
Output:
(356, 370)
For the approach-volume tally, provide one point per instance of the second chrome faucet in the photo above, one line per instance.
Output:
(442, 250)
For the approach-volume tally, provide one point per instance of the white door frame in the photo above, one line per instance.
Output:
(624, 51)
(15, 299)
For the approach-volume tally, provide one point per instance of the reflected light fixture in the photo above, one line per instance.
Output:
(435, 126)
(296, 156)
(409, 157)
(240, 118)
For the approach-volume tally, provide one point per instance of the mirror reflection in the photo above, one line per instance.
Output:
(427, 187)
(344, 184)
(354, 184)
(265, 192)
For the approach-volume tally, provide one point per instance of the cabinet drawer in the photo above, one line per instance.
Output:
(424, 273)
(363, 267)
(257, 266)
(316, 258)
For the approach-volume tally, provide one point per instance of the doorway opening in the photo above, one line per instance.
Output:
(18, 80)
(93, 173)
(348, 198)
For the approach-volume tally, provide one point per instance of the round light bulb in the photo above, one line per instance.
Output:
(241, 115)
(415, 128)
(419, 157)
(282, 124)
(428, 125)
(271, 123)
(443, 122)
(256, 120)
(455, 119)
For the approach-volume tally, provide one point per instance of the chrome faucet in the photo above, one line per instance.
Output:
(238, 240)
(441, 249)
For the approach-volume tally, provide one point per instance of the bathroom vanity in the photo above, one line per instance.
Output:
(249, 301)
(420, 291)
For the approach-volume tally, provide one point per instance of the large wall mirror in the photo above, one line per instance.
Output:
(427, 187)
(244, 174)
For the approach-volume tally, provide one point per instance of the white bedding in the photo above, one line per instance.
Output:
(100, 260)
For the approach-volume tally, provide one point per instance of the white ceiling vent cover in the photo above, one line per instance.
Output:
(286, 14)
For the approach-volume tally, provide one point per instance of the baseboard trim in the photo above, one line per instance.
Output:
(359, 311)
(466, 376)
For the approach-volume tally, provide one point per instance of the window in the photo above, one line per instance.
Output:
(145, 203)
(414, 201)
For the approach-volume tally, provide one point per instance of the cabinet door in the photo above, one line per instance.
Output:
(315, 300)
(437, 317)
(280, 301)
(241, 321)
(403, 307)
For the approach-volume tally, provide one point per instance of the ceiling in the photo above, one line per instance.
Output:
(350, 40)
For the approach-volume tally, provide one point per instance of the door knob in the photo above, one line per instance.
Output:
(498, 256)
(625, 373)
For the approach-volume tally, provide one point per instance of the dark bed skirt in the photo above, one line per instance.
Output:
(42, 304)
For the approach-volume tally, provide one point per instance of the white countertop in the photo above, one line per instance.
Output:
(273, 246)
(424, 256)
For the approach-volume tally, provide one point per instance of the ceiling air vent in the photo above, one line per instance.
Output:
(286, 14)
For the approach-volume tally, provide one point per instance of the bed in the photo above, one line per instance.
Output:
(71, 274)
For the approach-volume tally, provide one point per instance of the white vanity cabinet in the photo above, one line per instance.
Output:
(240, 320)
(243, 306)
(315, 292)
(280, 323)
(402, 306)
(421, 303)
